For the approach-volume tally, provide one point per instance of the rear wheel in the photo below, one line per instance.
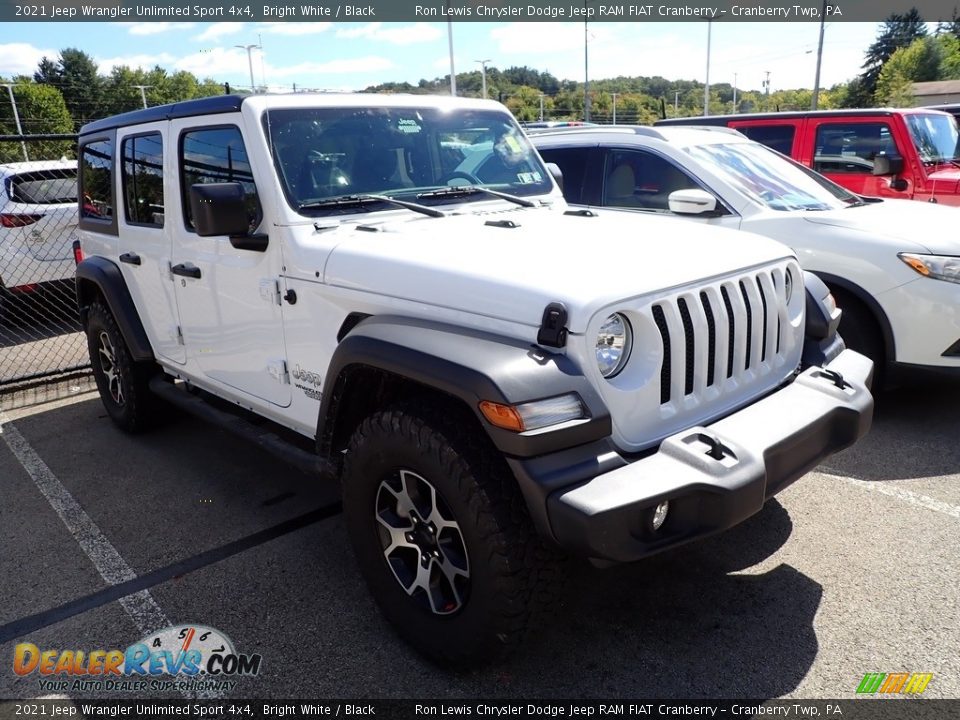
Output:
(441, 536)
(121, 381)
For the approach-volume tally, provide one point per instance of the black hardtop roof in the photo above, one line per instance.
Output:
(787, 115)
(188, 108)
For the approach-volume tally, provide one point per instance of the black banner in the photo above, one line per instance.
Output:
(848, 709)
(467, 10)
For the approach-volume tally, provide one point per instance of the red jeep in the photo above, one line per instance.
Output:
(909, 153)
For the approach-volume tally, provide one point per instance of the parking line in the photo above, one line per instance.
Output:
(140, 606)
(924, 501)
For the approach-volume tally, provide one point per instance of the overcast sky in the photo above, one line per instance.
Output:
(347, 56)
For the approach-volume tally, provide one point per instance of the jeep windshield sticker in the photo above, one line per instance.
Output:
(526, 178)
(408, 126)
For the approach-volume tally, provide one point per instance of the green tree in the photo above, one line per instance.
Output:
(918, 62)
(42, 111)
(899, 30)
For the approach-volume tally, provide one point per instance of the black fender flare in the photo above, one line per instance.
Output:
(104, 275)
(469, 366)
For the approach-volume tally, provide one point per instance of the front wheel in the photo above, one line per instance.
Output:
(122, 382)
(441, 536)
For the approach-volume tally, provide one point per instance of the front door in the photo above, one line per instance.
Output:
(228, 298)
(844, 152)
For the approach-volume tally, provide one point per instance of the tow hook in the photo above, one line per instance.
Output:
(835, 377)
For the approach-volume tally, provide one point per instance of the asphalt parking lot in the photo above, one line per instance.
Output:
(851, 570)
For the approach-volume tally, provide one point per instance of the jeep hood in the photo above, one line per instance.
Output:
(945, 181)
(479, 264)
(912, 226)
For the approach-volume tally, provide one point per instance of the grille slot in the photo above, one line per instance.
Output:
(731, 330)
(661, 321)
(763, 302)
(711, 338)
(746, 305)
(690, 345)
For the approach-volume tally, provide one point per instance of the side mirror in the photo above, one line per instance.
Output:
(693, 201)
(557, 174)
(884, 164)
(220, 209)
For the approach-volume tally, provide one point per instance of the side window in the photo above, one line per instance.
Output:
(775, 137)
(96, 167)
(216, 155)
(142, 171)
(638, 179)
(573, 165)
(851, 147)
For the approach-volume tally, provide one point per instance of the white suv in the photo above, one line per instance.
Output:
(38, 219)
(893, 265)
(397, 281)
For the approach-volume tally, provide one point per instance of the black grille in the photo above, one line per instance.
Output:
(731, 329)
(711, 338)
(689, 343)
(661, 321)
(763, 301)
(749, 333)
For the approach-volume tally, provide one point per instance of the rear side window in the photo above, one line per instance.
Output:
(44, 187)
(96, 166)
(216, 155)
(143, 179)
(851, 147)
(775, 137)
(573, 164)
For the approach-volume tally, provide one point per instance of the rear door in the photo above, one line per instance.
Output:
(145, 234)
(844, 149)
(779, 135)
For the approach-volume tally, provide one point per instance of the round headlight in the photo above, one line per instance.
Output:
(613, 345)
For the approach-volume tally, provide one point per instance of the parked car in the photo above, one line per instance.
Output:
(906, 154)
(38, 220)
(396, 282)
(952, 108)
(892, 265)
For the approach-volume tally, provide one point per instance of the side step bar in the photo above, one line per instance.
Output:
(263, 438)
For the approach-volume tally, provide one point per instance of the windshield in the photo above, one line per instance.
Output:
(772, 180)
(326, 153)
(935, 136)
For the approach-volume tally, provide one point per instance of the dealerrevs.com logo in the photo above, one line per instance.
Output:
(894, 683)
(182, 657)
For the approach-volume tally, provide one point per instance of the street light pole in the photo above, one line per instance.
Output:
(816, 80)
(541, 107)
(483, 75)
(706, 87)
(453, 72)
(614, 107)
(248, 48)
(143, 94)
(16, 119)
(734, 93)
(586, 66)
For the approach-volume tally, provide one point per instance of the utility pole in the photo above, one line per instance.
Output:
(586, 66)
(143, 94)
(248, 48)
(706, 87)
(676, 102)
(816, 80)
(483, 75)
(541, 107)
(16, 119)
(614, 107)
(766, 91)
(453, 72)
(734, 93)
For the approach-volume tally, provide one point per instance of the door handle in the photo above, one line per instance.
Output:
(191, 271)
(130, 258)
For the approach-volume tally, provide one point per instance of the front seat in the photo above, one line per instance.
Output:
(621, 185)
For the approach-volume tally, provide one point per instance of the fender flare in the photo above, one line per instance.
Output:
(105, 276)
(468, 366)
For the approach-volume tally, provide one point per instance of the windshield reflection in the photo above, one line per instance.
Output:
(935, 136)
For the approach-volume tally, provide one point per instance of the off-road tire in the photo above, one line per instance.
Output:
(121, 381)
(510, 569)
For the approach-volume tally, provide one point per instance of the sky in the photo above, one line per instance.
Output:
(352, 56)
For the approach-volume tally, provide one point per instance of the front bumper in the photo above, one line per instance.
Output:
(717, 476)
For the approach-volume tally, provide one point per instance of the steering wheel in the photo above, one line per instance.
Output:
(460, 175)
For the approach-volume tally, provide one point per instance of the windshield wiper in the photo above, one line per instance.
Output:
(358, 201)
(459, 190)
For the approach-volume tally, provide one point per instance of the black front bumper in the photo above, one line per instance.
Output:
(713, 477)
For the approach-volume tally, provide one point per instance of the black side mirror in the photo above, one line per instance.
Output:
(220, 209)
(557, 174)
(884, 164)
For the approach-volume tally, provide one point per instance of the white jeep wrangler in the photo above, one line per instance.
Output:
(398, 281)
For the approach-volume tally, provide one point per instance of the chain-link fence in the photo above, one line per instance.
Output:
(40, 336)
